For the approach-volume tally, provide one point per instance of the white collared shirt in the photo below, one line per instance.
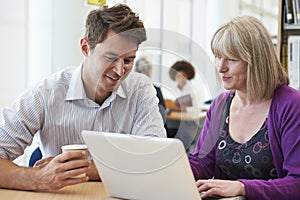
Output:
(57, 110)
(196, 97)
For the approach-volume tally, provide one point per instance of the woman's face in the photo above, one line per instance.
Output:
(233, 73)
(181, 78)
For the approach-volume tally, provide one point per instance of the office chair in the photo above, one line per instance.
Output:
(35, 156)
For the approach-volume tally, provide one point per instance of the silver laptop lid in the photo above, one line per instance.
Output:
(136, 167)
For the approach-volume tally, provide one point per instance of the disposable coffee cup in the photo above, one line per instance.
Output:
(75, 147)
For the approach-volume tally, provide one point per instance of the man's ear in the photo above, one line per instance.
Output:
(84, 47)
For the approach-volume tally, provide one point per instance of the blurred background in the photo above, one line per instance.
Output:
(39, 37)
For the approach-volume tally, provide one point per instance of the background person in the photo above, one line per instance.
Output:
(144, 66)
(100, 94)
(182, 72)
(188, 100)
(250, 141)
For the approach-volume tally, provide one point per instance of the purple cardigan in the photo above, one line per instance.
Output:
(284, 135)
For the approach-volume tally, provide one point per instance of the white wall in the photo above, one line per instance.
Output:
(13, 50)
(38, 37)
(55, 30)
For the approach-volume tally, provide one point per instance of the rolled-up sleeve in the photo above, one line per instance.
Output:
(19, 123)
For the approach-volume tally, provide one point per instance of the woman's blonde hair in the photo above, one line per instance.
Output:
(246, 38)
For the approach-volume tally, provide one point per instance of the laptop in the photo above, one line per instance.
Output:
(139, 167)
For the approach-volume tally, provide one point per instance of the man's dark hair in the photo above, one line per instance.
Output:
(119, 18)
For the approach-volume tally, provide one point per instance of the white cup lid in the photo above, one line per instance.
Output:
(74, 147)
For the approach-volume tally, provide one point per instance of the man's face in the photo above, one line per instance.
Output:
(108, 64)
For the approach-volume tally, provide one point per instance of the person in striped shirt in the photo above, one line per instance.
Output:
(100, 94)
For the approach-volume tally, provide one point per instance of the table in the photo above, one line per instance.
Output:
(85, 191)
(185, 116)
(91, 190)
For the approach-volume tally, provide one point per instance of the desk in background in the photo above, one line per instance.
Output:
(186, 116)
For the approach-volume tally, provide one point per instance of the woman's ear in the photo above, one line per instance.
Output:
(84, 47)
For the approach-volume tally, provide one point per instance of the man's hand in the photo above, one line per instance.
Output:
(54, 173)
(43, 162)
(224, 188)
(92, 172)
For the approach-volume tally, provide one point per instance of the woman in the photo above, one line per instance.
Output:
(188, 99)
(250, 141)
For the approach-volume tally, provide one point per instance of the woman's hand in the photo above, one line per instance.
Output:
(224, 188)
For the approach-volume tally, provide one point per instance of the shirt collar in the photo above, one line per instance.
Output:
(76, 90)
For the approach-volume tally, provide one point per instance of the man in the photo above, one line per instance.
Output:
(100, 94)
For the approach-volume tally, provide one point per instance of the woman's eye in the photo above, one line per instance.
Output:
(232, 60)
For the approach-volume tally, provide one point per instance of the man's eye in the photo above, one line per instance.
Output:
(111, 59)
(128, 60)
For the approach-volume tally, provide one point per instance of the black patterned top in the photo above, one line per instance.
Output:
(251, 160)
